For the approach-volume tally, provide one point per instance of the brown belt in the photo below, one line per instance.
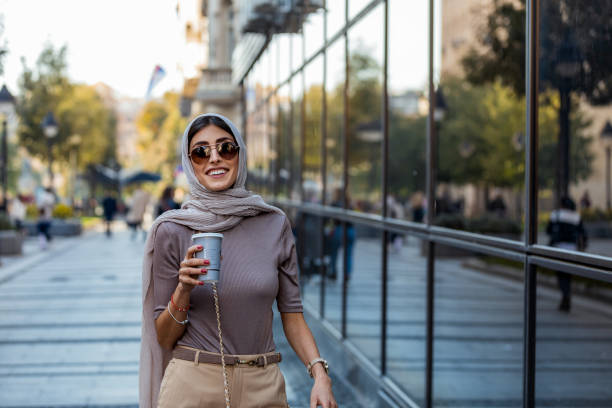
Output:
(210, 358)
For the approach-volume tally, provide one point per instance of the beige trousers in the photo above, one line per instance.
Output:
(187, 384)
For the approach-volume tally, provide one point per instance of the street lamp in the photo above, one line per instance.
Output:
(7, 103)
(568, 67)
(75, 142)
(606, 136)
(50, 128)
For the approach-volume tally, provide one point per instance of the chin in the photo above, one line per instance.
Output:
(217, 185)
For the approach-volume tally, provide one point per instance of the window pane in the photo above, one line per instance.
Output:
(480, 118)
(363, 267)
(406, 308)
(335, 16)
(575, 125)
(284, 44)
(573, 347)
(284, 134)
(311, 174)
(313, 32)
(297, 87)
(311, 258)
(408, 73)
(478, 330)
(334, 89)
(297, 51)
(365, 112)
(355, 6)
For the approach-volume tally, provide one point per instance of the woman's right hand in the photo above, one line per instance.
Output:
(192, 268)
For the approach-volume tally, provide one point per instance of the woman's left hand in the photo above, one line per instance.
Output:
(321, 394)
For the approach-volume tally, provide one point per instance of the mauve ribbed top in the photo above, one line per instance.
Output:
(259, 266)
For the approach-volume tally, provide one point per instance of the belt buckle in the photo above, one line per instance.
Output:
(248, 362)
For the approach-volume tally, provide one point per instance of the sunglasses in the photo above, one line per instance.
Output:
(227, 151)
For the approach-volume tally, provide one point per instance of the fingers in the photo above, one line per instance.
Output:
(192, 250)
(190, 276)
(194, 262)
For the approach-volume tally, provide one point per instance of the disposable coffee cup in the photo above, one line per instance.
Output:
(211, 244)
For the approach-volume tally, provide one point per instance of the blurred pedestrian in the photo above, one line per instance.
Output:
(585, 201)
(17, 212)
(45, 204)
(566, 231)
(166, 202)
(196, 351)
(135, 215)
(109, 205)
(337, 236)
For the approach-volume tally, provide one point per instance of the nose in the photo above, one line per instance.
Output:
(214, 156)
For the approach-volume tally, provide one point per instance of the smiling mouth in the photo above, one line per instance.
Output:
(216, 172)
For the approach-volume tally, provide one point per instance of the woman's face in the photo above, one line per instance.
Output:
(214, 173)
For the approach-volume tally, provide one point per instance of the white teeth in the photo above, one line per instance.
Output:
(216, 172)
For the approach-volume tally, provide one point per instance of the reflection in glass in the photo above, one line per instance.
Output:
(355, 6)
(313, 33)
(297, 95)
(406, 308)
(478, 326)
(310, 258)
(334, 90)
(284, 63)
(311, 173)
(363, 293)
(573, 347)
(575, 105)
(283, 126)
(408, 109)
(336, 18)
(480, 119)
(365, 129)
(297, 51)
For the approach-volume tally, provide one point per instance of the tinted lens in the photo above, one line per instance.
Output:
(200, 153)
(227, 150)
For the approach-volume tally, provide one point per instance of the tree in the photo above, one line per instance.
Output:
(78, 110)
(574, 60)
(160, 128)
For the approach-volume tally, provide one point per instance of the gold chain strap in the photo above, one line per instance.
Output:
(225, 382)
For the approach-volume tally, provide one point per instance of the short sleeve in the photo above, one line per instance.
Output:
(288, 299)
(166, 262)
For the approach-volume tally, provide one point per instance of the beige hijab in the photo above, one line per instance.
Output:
(207, 211)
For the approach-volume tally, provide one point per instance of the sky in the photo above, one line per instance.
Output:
(117, 42)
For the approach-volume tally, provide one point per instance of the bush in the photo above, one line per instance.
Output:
(484, 224)
(62, 211)
(493, 225)
(5, 222)
(455, 221)
(32, 211)
(596, 214)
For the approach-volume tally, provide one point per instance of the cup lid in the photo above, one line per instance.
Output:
(206, 234)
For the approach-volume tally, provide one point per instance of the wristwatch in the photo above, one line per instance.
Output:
(315, 361)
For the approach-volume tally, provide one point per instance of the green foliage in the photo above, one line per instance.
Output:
(78, 109)
(486, 223)
(62, 211)
(407, 151)
(160, 127)
(5, 222)
(489, 117)
(31, 211)
(596, 214)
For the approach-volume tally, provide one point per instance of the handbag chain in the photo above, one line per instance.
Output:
(225, 382)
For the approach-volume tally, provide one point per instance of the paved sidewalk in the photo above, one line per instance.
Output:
(70, 327)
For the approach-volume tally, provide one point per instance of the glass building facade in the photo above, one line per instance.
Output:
(422, 150)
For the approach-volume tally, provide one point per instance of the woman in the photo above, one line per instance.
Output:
(258, 267)
(166, 202)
